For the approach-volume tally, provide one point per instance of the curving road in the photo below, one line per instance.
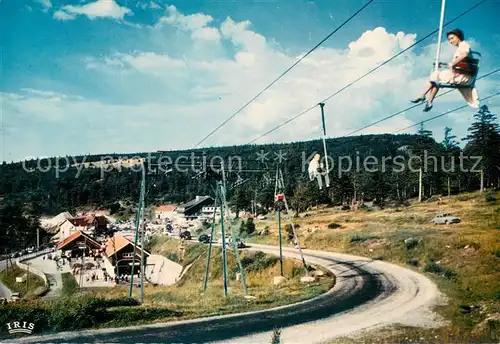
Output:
(4, 291)
(367, 294)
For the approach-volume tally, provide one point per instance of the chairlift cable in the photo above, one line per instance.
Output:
(443, 114)
(412, 107)
(285, 72)
(366, 74)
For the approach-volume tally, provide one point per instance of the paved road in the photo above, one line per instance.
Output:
(367, 294)
(4, 291)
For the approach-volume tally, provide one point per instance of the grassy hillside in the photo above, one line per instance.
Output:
(463, 259)
(33, 286)
(184, 298)
(111, 307)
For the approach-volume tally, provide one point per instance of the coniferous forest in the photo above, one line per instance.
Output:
(384, 169)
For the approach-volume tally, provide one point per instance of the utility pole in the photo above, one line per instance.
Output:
(235, 244)
(205, 278)
(327, 173)
(27, 278)
(37, 238)
(220, 197)
(142, 254)
(420, 186)
(279, 205)
(482, 180)
(137, 223)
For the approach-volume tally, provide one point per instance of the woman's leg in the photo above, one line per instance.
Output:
(421, 98)
(432, 95)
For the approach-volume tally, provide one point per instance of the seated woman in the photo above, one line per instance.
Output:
(314, 167)
(452, 76)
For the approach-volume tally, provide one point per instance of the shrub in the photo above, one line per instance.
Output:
(490, 196)
(247, 227)
(69, 283)
(258, 261)
(411, 243)
(437, 269)
(464, 244)
(23, 312)
(124, 316)
(297, 271)
(78, 313)
(496, 252)
(402, 203)
(74, 314)
(106, 303)
(433, 199)
(333, 225)
(413, 262)
(114, 208)
(173, 257)
(362, 238)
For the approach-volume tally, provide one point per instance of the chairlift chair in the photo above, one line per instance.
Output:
(469, 66)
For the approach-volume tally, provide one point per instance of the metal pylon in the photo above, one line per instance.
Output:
(220, 198)
(280, 187)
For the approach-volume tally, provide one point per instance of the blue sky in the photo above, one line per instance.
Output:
(87, 76)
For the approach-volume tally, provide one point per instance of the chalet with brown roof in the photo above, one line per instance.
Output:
(119, 255)
(77, 244)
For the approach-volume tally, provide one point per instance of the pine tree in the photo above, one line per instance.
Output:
(484, 142)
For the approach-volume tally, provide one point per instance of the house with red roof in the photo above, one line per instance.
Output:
(165, 211)
(91, 224)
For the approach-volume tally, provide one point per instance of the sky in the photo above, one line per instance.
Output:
(105, 76)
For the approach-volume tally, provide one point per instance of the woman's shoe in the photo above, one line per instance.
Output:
(418, 100)
(428, 107)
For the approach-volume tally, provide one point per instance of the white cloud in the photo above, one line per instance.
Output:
(154, 5)
(179, 97)
(61, 15)
(194, 23)
(97, 9)
(47, 4)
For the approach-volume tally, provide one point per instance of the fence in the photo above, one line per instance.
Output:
(35, 271)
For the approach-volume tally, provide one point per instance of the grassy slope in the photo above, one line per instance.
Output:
(463, 259)
(8, 277)
(184, 298)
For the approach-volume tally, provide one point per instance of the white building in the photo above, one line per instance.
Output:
(165, 212)
(208, 212)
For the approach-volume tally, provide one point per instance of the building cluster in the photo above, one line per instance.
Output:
(98, 236)
(115, 253)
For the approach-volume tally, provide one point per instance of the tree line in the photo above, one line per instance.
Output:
(384, 168)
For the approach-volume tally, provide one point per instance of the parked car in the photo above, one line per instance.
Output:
(205, 239)
(229, 242)
(186, 235)
(445, 219)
